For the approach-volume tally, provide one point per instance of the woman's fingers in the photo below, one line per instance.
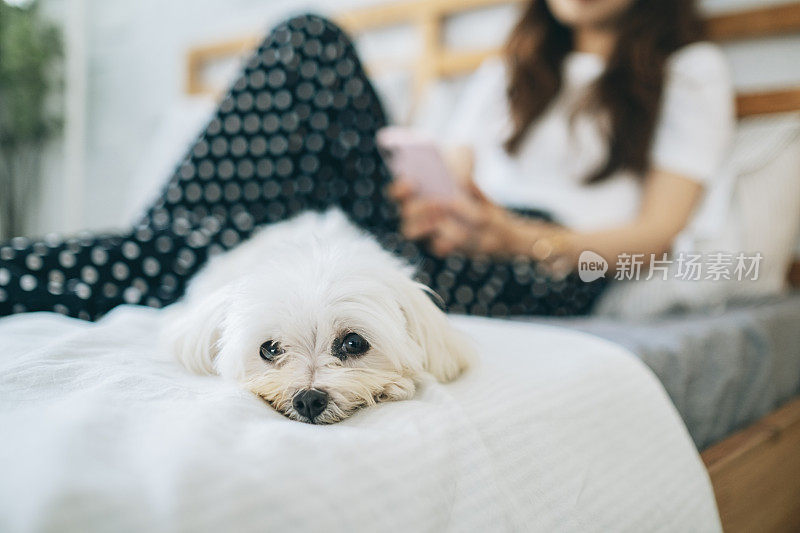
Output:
(419, 229)
(451, 225)
(418, 214)
(420, 208)
(466, 209)
(420, 217)
(477, 213)
(450, 235)
(400, 190)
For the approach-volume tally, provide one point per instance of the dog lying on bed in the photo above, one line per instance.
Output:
(317, 319)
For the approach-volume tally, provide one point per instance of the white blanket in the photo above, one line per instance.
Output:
(554, 431)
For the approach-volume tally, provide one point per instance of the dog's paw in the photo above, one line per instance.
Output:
(400, 390)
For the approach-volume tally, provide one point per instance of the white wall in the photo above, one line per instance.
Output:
(136, 53)
(135, 74)
(52, 213)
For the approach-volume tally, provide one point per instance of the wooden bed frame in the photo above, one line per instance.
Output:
(755, 472)
(437, 61)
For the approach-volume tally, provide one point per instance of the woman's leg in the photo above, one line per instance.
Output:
(295, 132)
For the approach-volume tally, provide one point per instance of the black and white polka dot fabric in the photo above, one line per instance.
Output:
(295, 132)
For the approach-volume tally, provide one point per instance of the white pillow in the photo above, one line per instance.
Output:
(754, 207)
(394, 89)
(180, 125)
(434, 113)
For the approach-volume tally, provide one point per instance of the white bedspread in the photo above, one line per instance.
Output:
(554, 431)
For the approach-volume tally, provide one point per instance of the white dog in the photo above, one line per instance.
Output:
(317, 319)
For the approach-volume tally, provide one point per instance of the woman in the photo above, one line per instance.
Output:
(611, 120)
(616, 121)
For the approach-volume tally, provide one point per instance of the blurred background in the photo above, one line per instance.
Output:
(95, 111)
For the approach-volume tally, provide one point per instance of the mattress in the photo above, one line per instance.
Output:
(553, 430)
(723, 370)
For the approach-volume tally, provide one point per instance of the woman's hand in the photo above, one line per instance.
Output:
(470, 223)
(473, 225)
(420, 215)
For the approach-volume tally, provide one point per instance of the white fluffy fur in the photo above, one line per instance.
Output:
(305, 283)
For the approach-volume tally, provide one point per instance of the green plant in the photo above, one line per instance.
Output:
(30, 51)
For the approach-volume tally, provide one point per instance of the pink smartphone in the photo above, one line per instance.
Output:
(413, 157)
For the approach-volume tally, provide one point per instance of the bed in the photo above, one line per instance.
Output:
(554, 430)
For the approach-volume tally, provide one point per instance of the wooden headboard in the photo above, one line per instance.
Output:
(436, 60)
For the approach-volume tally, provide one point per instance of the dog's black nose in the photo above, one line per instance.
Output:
(310, 402)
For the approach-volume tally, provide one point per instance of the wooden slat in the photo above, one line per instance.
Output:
(762, 103)
(794, 274)
(396, 13)
(435, 61)
(767, 21)
(427, 64)
(756, 474)
(199, 57)
(453, 63)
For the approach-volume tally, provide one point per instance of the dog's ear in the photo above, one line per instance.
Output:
(446, 351)
(192, 331)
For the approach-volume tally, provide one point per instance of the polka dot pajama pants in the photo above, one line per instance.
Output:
(295, 132)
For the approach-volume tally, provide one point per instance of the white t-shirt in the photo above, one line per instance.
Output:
(549, 171)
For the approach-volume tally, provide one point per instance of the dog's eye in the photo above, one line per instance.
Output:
(269, 350)
(354, 344)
